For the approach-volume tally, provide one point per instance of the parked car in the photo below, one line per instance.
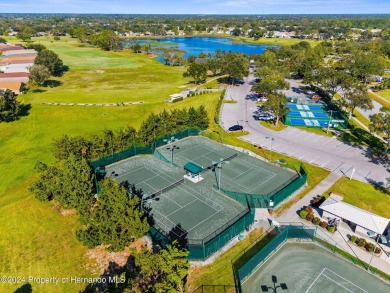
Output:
(236, 127)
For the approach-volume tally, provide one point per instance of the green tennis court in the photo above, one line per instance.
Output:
(309, 268)
(241, 173)
(185, 208)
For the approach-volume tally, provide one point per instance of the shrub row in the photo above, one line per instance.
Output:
(219, 105)
(361, 242)
(308, 215)
(198, 93)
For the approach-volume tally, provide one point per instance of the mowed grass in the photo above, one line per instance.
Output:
(35, 238)
(277, 41)
(363, 195)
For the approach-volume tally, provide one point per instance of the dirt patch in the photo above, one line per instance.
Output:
(99, 71)
(69, 212)
(99, 258)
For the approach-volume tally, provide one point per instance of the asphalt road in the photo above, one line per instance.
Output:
(327, 152)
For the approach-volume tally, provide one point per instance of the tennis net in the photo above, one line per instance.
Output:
(224, 160)
(165, 189)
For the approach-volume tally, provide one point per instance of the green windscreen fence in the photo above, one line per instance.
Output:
(144, 150)
(264, 252)
(276, 196)
(201, 249)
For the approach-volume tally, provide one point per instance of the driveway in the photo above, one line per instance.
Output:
(327, 152)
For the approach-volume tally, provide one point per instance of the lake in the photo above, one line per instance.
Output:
(196, 45)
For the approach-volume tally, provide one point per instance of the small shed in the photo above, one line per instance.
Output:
(193, 172)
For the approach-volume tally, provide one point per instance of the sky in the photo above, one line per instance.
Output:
(197, 6)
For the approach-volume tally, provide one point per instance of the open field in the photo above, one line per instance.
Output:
(362, 195)
(276, 41)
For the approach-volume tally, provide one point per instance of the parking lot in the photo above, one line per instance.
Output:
(330, 153)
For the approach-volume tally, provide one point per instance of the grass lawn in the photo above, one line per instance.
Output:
(363, 195)
(361, 118)
(386, 97)
(35, 238)
(276, 41)
(384, 94)
(271, 125)
(212, 274)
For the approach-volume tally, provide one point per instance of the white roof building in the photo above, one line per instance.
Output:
(369, 221)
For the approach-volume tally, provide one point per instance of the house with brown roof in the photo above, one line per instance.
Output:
(14, 77)
(17, 60)
(16, 53)
(16, 87)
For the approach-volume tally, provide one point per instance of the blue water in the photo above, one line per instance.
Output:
(196, 45)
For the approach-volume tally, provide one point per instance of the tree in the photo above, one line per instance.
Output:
(362, 64)
(380, 124)
(115, 218)
(271, 81)
(164, 271)
(330, 79)
(25, 34)
(75, 183)
(51, 61)
(9, 106)
(38, 74)
(198, 71)
(106, 40)
(214, 65)
(45, 188)
(235, 65)
(146, 48)
(136, 48)
(36, 47)
(277, 103)
(357, 96)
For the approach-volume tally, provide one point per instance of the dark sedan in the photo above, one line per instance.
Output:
(236, 127)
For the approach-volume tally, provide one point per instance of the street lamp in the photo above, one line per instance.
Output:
(373, 251)
(330, 120)
(171, 149)
(282, 286)
(272, 143)
(219, 166)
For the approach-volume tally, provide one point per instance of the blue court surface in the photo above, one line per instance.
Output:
(308, 122)
(305, 107)
(308, 114)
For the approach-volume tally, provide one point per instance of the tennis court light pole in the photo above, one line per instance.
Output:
(272, 143)
(171, 149)
(330, 119)
(219, 166)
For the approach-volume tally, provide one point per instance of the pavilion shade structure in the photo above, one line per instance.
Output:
(193, 168)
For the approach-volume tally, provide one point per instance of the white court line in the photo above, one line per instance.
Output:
(263, 182)
(308, 289)
(132, 171)
(346, 280)
(202, 221)
(239, 175)
(181, 207)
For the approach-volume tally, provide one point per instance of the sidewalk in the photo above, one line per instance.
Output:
(291, 214)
